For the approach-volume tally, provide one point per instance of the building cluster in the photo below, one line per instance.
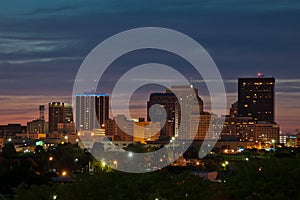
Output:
(174, 114)
(252, 117)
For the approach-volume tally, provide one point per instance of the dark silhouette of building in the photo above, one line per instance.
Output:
(92, 111)
(170, 102)
(38, 125)
(256, 98)
(59, 113)
(10, 130)
(42, 112)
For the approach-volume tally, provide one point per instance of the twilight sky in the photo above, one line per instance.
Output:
(43, 43)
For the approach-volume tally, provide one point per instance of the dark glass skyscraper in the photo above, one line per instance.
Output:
(256, 98)
(171, 104)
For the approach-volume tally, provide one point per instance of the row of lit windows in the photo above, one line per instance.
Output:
(258, 83)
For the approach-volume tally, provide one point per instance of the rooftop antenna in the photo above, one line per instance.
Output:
(42, 111)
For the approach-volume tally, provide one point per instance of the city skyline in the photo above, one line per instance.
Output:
(135, 113)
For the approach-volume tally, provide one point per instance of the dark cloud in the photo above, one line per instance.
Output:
(42, 44)
(45, 11)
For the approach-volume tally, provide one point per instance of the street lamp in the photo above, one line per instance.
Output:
(130, 154)
(224, 164)
(116, 163)
(64, 173)
(173, 141)
(274, 143)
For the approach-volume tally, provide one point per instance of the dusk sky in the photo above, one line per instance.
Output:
(43, 43)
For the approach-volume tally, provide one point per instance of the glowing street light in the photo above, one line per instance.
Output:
(273, 141)
(116, 163)
(50, 158)
(224, 164)
(274, 145)
(130, 154)
(64, 173)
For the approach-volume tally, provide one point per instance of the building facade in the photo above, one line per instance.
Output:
(238, 129)
(59, 112)
(10, 130)
(256, 98)
(266, 133)
(37, 126)
(92, 111)
(146, 131)
(177, 101)
(119, 129)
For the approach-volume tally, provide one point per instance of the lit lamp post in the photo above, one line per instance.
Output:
(66, 139)
(116, 164)
(274, 144)
(225, 164)
(173, 140)
(64, 173)
(50, 158)
(173, 144)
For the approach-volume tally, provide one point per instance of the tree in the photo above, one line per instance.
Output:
(9, 151)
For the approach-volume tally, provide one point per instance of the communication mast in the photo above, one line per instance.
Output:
(42, 111)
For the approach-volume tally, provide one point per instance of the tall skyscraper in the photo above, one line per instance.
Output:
(59, 113)
(256, 98)
(172, 104)
(92, 111)
(167, 101)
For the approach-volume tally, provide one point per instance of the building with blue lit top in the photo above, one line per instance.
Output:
(92, 111)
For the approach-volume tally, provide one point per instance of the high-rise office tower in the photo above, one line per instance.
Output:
(167, 101)
(59, 113)
(256, 98)
(92, 111)
(171, 101)
(187, 106)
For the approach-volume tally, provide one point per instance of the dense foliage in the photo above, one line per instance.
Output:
(263, 175)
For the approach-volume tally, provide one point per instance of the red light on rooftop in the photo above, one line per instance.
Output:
(260, 75)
